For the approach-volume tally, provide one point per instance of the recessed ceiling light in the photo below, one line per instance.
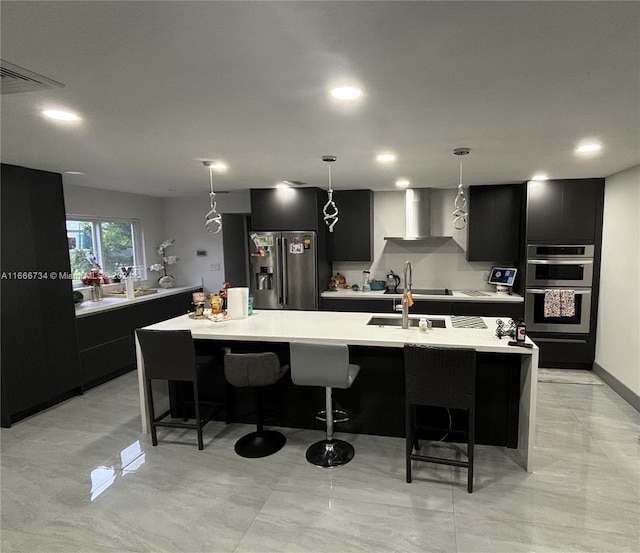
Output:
(539, 176)
(589, 148)
(402, 183)
(73, 173)
(60, 115)
(346, 92)
(386, 157)
(282, 185)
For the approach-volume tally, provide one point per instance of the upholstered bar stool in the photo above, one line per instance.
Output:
(170, 355)
(325, 365)
(439, 377)
(256, 370)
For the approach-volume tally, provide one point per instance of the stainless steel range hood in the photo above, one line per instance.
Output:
(417, 206)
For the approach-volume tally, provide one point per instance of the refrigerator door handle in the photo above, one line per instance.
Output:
(285, 276)
(278, 269)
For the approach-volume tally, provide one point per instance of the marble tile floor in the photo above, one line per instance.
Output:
(81, 477)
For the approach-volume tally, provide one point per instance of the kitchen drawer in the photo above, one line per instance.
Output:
(430, 307)
(489, 309)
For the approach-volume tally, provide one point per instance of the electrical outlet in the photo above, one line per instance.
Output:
(215, 266)
(485, 276)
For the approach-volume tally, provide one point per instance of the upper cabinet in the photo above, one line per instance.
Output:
(287, 208)
(494, 227)
(564, 211)
(352, 236)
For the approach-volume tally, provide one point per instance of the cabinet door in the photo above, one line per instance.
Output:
(285, 209)
(342, 305)
(431, 307)
(564, 211)
(494, 223)
(489, 309)
(352, 236)
(39, 346)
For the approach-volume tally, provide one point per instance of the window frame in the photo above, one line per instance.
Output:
(96, 231)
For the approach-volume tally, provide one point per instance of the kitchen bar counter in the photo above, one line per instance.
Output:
(352, 329)
(456, 295)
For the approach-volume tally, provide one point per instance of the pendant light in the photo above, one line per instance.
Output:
(213, 219)
(460, 203)
(330, 209)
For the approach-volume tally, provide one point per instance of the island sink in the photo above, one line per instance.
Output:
(397, 321)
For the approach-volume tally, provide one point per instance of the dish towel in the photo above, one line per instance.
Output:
(559, 303)
(551, 303)
(567, 303)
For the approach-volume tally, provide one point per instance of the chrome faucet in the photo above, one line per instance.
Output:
(407, 289)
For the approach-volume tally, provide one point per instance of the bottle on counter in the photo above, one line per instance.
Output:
(521, 331)
(423, 325)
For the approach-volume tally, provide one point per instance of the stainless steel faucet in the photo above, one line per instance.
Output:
(407, 289)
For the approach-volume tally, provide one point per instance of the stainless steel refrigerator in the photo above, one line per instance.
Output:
(283, 270)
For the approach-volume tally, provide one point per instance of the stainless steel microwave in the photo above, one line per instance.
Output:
(559, 266)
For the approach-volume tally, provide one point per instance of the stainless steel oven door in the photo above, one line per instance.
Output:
(560, 272)
(537, 322)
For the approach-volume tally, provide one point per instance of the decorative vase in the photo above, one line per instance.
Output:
(167, 281)
(96, 293)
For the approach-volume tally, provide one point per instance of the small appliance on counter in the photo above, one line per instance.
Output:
(393, 281)
(503, 278)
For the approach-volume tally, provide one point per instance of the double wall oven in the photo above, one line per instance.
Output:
(559, 269)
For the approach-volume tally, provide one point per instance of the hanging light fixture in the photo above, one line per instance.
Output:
(213, 219)
(460, 203)
(330, 209)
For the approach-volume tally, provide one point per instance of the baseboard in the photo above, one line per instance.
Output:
(618, 387)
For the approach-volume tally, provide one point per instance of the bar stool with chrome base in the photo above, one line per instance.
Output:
(325, 365)
(256, 370)
(440, 377)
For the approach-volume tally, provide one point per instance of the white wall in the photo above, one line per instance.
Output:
(185, 223)
(437, 263)
(618, 335)
(95, 202)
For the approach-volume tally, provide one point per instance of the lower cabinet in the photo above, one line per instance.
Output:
(106, 339)
(489, 309)
(357, 306)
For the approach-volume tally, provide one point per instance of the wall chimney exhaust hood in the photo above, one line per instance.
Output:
(417, 205)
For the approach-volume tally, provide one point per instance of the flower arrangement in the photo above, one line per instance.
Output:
(166, 280)
(95, 277)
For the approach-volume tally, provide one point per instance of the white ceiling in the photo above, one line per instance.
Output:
(161, 85)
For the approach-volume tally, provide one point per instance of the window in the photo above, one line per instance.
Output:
(114, 242)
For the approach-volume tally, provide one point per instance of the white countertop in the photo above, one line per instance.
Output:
(345, 328)
(456, 295)
(88, 307)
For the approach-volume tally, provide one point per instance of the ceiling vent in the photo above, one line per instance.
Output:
(16, 79)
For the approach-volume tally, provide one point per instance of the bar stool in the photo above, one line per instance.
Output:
(256, 370)
(170, 355)
(439, 377)
(325, 365)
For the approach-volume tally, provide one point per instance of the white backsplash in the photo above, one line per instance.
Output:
(436, 263)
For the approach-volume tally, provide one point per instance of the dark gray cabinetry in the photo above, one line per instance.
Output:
(494, 229)
(564, 211)
(489, 309)
(39, 347)
(430, 307)
(287, 209)
(105, 339)
(364, 306)
(352, 236)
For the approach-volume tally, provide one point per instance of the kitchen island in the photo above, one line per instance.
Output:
(368, 342)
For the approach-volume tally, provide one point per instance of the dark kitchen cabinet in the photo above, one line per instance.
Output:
(513, 310)
(493, 230)
(40, 364)
(106, 339)
(430, 307)
(280, 209)
(357, 305)
(352, 236)
(564, 211)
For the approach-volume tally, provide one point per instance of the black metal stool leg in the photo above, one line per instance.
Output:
(261, 443)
